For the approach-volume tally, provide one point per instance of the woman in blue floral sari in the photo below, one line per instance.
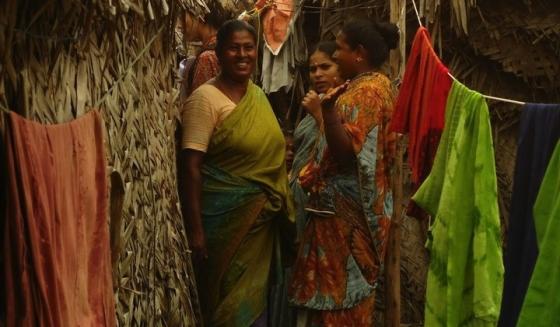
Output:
(324, 75)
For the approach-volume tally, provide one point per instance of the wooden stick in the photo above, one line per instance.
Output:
(393, 255)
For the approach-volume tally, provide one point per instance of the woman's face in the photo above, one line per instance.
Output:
(237, 58)
(345, 57)
(323, 72)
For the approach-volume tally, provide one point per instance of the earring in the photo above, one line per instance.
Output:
(359, 59)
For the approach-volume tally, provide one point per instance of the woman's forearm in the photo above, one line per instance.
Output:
(191, 195)
(338, 139)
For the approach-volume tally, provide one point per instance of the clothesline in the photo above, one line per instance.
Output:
(314, 9)
(455, 79)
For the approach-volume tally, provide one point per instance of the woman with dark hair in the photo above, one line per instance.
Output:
(342, 247)
(236, 186)
(324, 75)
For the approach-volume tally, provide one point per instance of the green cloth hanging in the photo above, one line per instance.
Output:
(541, 306)
(465, 276)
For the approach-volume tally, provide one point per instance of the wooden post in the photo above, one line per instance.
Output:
(393, 255)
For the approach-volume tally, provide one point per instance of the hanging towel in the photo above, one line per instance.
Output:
(541, 306)
(277, 21)
(420, 109)
(57, 263)
(539, 131)
(279, 64)
(465, 276)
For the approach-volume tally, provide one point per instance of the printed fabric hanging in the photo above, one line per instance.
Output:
(465, 275)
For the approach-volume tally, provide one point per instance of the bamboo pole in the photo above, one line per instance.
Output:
(393, 255)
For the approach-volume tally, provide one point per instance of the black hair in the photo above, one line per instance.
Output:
(377, 38)
(217, 15)
(227, 30)
(327, 47)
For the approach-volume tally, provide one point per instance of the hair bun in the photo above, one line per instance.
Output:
(389, 32)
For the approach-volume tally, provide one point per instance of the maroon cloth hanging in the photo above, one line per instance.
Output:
(56, 251)
(420, 109)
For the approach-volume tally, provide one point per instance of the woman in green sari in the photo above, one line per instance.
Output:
(236, 185)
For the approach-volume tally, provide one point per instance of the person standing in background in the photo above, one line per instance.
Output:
(347, 179)
(204, 65)
(324, 75)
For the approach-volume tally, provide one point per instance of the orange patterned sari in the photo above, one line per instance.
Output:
(343, 245)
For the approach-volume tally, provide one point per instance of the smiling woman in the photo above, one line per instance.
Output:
(236, 184)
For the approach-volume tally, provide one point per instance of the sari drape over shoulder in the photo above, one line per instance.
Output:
(245, 192)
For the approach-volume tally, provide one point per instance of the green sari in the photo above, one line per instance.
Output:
(465, 277)
(245, 192)
(541, 306)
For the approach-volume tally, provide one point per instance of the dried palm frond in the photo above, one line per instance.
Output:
(59, 59)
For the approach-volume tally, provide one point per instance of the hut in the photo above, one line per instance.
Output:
(60, 59)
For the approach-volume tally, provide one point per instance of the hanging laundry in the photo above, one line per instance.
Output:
(465, 276)
(280, 60)
(541, 306)
(277, 70)
(57, 261)
(420, 109)
(538, 134)
(276, 20)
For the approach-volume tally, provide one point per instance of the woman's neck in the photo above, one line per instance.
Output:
(234, 89)
(363, 70)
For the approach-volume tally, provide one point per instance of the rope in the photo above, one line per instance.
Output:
(455, 79)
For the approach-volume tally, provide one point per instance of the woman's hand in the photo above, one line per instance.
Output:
(312, 104)
(332, 95)
(198, 246)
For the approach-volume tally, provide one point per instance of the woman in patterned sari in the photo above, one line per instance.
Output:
(348, 181)
(324, 75)
(236, 185)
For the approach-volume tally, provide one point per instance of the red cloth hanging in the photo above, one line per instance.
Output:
(56, 251)
(420, 108)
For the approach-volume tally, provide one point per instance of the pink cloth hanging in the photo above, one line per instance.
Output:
(276, 22)
(57, 263)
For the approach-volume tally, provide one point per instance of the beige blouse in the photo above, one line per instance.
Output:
(202, 113)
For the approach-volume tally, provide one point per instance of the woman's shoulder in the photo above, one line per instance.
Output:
(378, 84)
(257, 90)
(377, 81)
(208, 55)
(206, 95)
(206, 90)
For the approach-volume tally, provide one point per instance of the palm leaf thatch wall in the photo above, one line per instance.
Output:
(61, 58)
